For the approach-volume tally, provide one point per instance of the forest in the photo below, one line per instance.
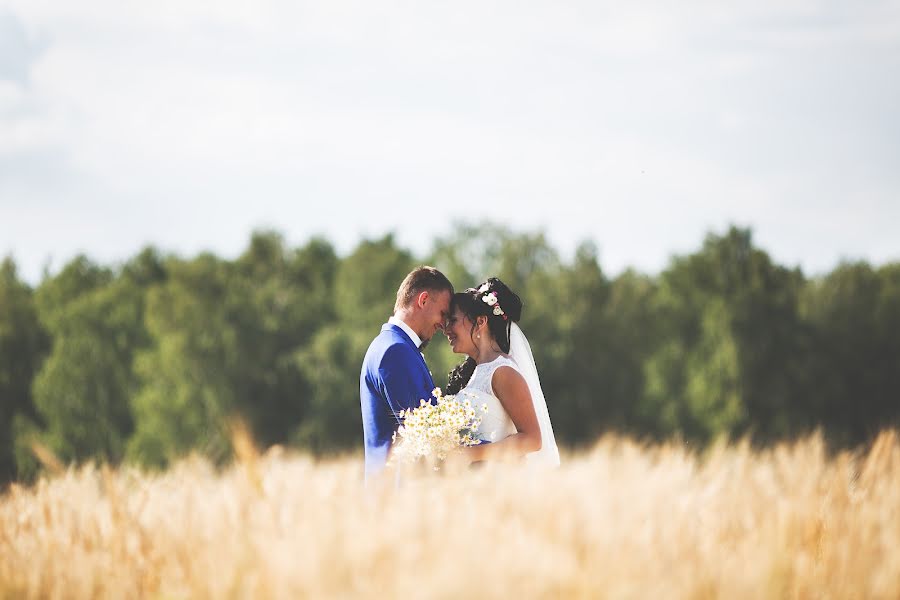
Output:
(156, 357)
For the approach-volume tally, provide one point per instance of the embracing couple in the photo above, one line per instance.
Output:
(499, 372)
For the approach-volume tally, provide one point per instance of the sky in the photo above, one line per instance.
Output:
(641, 126)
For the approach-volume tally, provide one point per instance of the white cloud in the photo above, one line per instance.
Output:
(640, 125)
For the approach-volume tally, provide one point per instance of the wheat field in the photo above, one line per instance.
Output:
(620, 521)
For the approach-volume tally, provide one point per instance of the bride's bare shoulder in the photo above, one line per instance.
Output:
(507, 380)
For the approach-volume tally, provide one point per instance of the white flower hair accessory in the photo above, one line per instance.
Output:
(491, 300)
(484, 288)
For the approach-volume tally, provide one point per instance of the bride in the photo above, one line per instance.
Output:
(499, 373)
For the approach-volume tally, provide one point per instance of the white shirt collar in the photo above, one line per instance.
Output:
(412, 334)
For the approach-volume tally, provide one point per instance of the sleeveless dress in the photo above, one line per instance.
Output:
(495, 423)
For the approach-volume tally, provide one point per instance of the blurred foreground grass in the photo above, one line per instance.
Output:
(620, 521)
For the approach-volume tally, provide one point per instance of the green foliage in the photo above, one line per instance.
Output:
(365, 287)
(23, 344)
(629, 334)
(152, 359)
(854, 314)
(732, 344)
(565, 323)
(333, 421)
(470, 254)
(226, 336)
(185, 393)
(712, 390)
(83, 389)
(364, 293)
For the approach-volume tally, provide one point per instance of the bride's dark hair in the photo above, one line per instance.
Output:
(471, 303)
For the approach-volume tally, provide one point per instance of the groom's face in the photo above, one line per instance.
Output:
(435, 310)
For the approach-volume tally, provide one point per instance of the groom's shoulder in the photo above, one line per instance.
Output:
(388, 336)
(390, 342)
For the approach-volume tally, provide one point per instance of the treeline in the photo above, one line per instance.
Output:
(152, 359)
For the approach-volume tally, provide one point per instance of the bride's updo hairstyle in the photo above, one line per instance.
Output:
(502, 307)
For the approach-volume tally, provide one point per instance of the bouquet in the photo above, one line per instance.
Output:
(433, 430)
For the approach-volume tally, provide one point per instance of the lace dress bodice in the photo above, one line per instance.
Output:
(495, 423)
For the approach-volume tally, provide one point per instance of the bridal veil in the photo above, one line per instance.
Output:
(520, 351)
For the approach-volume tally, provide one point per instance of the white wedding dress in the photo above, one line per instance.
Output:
(496, 423)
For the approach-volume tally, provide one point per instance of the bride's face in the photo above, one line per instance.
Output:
(458, 330)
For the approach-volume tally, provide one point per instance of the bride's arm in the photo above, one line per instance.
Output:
(512, 391)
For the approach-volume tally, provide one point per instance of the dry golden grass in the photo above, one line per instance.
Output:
(622, 521)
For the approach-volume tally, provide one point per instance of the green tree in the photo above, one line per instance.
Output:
(83, 391)
(225, 338)
(855, 316)
(185, 396)
(732, 344)
(472, 253)
(286, 298)
(630, 332)
(366, 285)
(364, 293)
(331, 364)
(712, 391)
(23, 344)
(564, 319)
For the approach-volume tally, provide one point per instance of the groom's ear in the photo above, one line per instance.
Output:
(422, 298)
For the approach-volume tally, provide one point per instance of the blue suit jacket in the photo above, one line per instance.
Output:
(394, 377)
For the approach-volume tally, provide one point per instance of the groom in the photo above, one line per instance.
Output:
(394, 376)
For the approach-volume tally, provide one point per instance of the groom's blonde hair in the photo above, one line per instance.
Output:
(419, 280)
